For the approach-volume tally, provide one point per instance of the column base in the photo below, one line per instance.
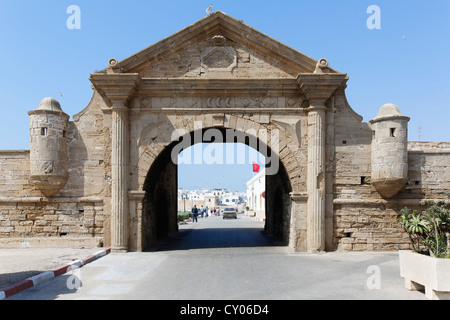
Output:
(119, 249)
(316, 251)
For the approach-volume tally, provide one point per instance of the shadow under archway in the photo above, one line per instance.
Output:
(159, 216)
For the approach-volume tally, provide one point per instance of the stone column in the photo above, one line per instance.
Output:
(318, 87)
(119, 168)
(117, 88)
(316, 177)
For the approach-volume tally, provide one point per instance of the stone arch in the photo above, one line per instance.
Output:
(292, 158)
(157, 174)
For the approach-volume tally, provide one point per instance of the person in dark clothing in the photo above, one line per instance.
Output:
(194, 211)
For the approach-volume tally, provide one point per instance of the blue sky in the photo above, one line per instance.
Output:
(404, 62)
(217, 168)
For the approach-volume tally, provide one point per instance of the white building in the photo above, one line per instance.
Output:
(230, 199)
(256, 203)
(196, 195)
(209, 198)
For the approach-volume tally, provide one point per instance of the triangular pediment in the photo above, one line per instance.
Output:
(218, 46)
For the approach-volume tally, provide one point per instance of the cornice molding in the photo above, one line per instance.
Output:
(319, 87)
(116, 87)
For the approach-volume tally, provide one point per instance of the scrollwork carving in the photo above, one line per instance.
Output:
(218, 102)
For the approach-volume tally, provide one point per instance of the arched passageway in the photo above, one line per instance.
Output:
(159, 214)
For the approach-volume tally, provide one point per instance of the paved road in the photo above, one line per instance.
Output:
(229, 260)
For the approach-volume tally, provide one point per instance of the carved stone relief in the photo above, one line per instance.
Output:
(224, 102)
(219, 58)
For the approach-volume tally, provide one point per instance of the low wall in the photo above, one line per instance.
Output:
(34, 222)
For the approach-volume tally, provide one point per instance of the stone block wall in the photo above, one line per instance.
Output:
(364, 221)
(62, 222)
(368, 227)
(429, 170)
(14, 175)
(78, 214)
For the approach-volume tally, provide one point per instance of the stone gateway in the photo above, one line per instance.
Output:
(107, 178)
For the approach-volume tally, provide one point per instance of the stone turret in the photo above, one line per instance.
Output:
(389, 151)
(48, 147)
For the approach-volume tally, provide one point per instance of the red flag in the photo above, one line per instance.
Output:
(255, 167)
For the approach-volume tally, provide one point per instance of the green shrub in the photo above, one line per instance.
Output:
(183, 216)
(429, 229)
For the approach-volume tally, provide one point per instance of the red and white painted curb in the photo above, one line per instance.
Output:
(258, 219)
(185, 221)
(48, 275)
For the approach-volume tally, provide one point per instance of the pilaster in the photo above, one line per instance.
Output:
(318, 88)
(119, 173)
(117, 89)
(316, 178)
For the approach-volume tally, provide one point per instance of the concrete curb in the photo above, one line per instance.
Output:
(48, 275)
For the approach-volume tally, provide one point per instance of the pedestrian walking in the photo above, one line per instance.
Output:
(194, 212)
(202, 211)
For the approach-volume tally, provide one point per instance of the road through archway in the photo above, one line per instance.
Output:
(159, 217)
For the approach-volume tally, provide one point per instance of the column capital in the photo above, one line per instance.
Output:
(116, 88)
(319, 87)
(119, 106)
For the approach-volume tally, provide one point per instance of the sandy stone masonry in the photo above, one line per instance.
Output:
(106, 177)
